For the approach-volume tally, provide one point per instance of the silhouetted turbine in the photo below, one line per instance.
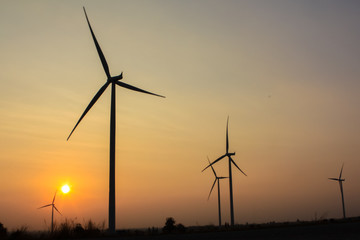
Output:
(340, 180)
(52, 204)
(217, 179)
(227, 154)
(113, 81)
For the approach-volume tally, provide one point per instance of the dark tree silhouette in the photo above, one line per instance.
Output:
(169, 225)
(3, 230)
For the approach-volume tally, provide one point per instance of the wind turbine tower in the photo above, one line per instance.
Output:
(52, 204)
(341, 180)
(113, 80)
(231, 161)
(217, 179)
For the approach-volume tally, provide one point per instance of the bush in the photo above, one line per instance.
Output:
(3, 230)
(65, 229)
(169, 225)
(20, 233)
(78, 229)
(180, 228)
(70, 229)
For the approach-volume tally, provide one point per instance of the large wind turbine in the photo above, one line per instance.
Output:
(52, 204)
(115, 80)
(231, 161)
(340, 180)
(217, 179)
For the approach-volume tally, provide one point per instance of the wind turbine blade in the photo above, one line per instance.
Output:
(335, 179)
(93, 101)
(236, 165)
(215, 162)
(122, 84)
(212, 168)
(227, 135)
(57, 210)
(341, 171)
(212, 188)
(48, 205)
(101, 55)
(54, 197)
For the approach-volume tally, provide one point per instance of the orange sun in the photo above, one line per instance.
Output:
(65, 189)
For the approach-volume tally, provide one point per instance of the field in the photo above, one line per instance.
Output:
(328, 229)
(325, 229)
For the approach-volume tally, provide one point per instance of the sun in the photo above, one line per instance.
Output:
(65, 189)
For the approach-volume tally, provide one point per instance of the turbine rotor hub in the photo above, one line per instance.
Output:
(115, 78)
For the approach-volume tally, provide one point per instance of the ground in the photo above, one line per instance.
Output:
(328, 231)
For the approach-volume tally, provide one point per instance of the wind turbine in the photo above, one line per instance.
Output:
(217, 179)
(115, 80)
(231, 161)
(52, 204)
(340, 180)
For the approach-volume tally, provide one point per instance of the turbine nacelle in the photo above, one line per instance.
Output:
(337, 179)
(52, 204)
(230, 154)
(221, 177)
(115, 78)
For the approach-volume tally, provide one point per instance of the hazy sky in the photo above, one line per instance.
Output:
(286, 72)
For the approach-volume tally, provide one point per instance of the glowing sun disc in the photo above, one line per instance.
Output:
(65, 188)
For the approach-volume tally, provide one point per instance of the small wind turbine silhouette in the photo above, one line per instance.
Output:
(340, 180)
(52, 204)
(228, 154)
(217, 179)
(113, 81)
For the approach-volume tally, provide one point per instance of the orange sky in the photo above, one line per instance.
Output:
(285, 72)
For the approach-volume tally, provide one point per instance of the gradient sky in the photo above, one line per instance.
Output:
(286, 72)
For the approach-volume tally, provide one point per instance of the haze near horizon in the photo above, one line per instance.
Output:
(285, 72)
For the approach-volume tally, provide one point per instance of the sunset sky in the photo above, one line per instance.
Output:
(286, 72)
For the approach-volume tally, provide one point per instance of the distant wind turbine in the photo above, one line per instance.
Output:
(340, 180)
(227, 154)
(52, 204)
(113, 81)
(217, 179)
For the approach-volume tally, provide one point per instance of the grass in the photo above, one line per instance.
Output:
(69, 229)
